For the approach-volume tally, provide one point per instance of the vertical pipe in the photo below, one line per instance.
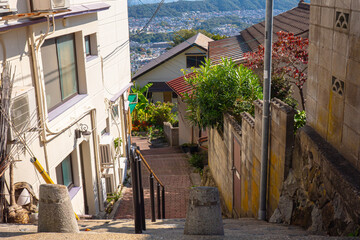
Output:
(152, 198)
(266, 107)
(141, 194)
(158, 201)
(134, 181)
(163, 202)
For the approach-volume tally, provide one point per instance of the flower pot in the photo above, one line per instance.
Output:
(185, 149)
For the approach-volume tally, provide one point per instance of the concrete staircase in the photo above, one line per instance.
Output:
(164, 229)
(171, 166)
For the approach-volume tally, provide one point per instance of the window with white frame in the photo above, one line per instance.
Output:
(60, 70)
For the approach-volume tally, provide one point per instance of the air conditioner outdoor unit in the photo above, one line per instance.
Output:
(107, 150)
(109, 184)
(22, 111)
(49, 5)
(4, 4)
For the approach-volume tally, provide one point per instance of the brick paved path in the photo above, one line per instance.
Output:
(171, 166)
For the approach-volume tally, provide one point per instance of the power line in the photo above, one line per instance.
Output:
(153, 16)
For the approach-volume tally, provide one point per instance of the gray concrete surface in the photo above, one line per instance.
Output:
(204, 213)
(167, 229)
(55, 210)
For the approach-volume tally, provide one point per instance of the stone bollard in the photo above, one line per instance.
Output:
(55, 210)
(204, 213)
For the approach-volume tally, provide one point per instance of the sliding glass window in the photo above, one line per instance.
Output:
(60, 70)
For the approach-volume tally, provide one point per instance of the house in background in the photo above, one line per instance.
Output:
(187, 132)
(72, 75)
(169, 65)
(295, 21)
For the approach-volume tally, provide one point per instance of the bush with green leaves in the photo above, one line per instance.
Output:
(159, 113)
(221, 88)
(197, 160)
(299, 120)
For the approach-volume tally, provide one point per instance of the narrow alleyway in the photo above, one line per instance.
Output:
(170, 164)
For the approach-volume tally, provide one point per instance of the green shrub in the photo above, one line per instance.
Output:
(197, 160)
(221, 88)
(160, 113)
(299, 120)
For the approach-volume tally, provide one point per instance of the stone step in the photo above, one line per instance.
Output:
(162, 229)
(164, 150)
(166, 156)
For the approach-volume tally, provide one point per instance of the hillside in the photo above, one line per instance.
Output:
(177, 8)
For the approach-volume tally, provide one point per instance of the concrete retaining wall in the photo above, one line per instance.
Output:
(248, 134)
(171, 134)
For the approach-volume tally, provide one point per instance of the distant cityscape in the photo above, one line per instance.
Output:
(142, 53)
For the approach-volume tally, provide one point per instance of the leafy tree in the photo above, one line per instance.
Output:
(218, 89)
(290, 58)
(184, 34)
(213, 23)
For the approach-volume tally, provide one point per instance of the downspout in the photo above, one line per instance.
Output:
(97, 162)
(39, 99)
(266, 108)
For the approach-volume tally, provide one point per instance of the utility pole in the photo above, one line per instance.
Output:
(266, 107)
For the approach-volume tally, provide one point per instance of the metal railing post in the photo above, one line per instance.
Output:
(141, 194)
(152, 198)
(135, 188)
(158, 201)
(163, 202)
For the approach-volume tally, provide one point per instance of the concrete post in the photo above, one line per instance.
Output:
(204, 212)
(55, 210)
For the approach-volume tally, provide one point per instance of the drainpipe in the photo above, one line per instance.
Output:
(37, 83)
(97, 161)
(266, 107)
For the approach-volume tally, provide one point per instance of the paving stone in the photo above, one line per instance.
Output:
(171, 165)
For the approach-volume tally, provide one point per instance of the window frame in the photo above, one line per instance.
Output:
(93, 51)
(88, 37)
(198, 62)
(58, 69)
(59, 166)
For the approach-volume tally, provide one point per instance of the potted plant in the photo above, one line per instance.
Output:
(190, 147)
(185, 147)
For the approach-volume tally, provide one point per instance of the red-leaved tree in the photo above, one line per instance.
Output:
(289, 60)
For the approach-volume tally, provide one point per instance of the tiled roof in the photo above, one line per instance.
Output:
(199, 40)
(180, 86)
(295, 20)
(233, 47)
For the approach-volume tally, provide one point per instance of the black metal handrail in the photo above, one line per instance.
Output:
(138, 191)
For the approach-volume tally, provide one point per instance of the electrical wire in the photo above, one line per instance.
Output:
(153, 16)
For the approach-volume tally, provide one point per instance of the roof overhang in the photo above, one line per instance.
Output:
(165, 60)
(121, 92)
(74, 11)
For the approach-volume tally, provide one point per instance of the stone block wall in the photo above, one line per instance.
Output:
(220, 165)
(322, 191)
(333, 95)
(248, 134)
(171, 134)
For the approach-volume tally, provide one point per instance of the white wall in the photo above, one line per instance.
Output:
(99, 80)
(169, 70)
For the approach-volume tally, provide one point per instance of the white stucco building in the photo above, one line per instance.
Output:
(72, 75)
